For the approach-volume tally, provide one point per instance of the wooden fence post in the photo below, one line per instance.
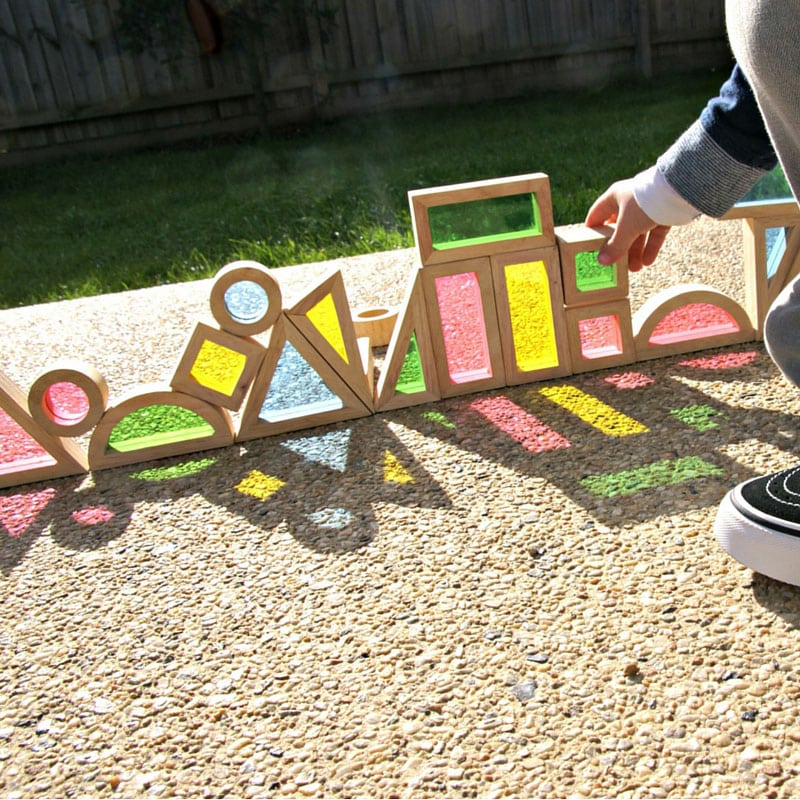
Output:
(644, 53)
(320, 86)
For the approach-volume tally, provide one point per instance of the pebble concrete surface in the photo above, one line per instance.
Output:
(489, 596)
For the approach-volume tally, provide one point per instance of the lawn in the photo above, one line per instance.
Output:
(92, 225)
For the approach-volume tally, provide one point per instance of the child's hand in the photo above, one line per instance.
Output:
(636, 234)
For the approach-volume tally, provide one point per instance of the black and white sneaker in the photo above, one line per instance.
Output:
(758, 523)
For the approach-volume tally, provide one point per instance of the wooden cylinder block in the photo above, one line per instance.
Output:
(375, 323)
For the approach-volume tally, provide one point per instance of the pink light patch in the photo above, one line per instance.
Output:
(18, 448)
(724, 361)
(19, 511)
(92, 515)
(521, 426)
(629, 380)
(693, 321)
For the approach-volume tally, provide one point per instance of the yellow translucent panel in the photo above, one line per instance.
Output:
(218, 368)
(593, 411)
(532, 326)
(325, 319)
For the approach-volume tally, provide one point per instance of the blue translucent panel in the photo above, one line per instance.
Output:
(296, 390)
(776, 247)
(246, 302)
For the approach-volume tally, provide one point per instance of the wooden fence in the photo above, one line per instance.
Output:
(66, 84)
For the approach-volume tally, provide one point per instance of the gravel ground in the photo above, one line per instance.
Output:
(461, 617)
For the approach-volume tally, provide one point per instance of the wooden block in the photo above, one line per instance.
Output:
(585, 281)
(530, 315)
(376, 324)
(462, 316)
(324, 318)
(69, 399)
(217, 366)
(296, 388)
(760, 209)
(409, 376)
(600, 336)
(245, 298)
(155, 422)
(482, 218)
(29, 452)
(686, 318)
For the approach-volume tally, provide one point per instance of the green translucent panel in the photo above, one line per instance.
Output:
(411, 379)
(156, 425)
(494, 219)
(591, 275)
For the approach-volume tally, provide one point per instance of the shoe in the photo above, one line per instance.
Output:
(758, 523)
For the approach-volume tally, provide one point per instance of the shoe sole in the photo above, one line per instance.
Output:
(767, 551)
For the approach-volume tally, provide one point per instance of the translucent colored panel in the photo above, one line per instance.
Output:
(591, 275)
(494, 219)
(246, 302)
(532, 327)
(18, 449)
(66, 403)
(411, 379)
(776, 247)
(19, 511)
(296, 390)
(772, 186)
(600, 336)
(218, 368)
(521, 426)
(157, 425)
(593, 411)
(693, 321)
(651, 476)
(325, 319)
(463, 327)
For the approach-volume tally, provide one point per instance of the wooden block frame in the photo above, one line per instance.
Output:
(574, 239)
(482, 270)
(422, 200)
(657, 307)
(626, 354)
(549, 258)
(183, 380)
(242, 272)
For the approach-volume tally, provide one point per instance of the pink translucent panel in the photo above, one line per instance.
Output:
(18, 449)
(693, 321)
(463, 327)
(66, 403)
(521, 426)
(19, 511)
(600, 336)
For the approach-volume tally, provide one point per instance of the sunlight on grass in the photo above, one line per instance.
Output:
(93, 225)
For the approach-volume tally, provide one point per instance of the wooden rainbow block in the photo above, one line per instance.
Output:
(600, 335)
(584, 279)
(482, 218)
(530, 315)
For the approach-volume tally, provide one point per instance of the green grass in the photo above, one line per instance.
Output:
(92, 225)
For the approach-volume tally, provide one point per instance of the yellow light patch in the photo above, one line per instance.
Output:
(218, 368)
(260, 486)
(601, 416)
(394, 471)
(325, 319)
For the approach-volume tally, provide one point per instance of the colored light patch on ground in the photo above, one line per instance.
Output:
(593, 411)
(629, 380)
(492, 219)
(693, 321)
(699, 417)
(651, 476)
(591, 275)
(92, 515)
(600, 336)
(532, 327)
(218, 368)
(66, 403)
(330, 449)
(411, 379)
(394, 471)
(18, 449)
(724, 361)
(156, 425)
(325, 319)
(184, 470)
(463, 327)
(533, 434)
(260, 486)
(19, 511)
(439, 419)
(332, 519)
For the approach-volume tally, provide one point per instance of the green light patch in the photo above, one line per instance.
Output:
(183, 470)
(699, 417)
(660, 473)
